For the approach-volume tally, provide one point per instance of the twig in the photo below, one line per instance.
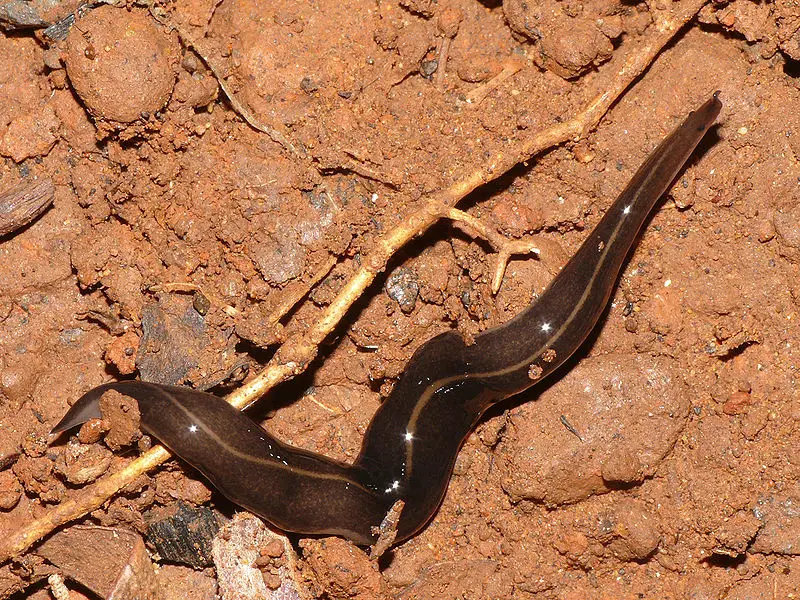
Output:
(477, 95)
(275, 135)
(293, 357)
(387, 531)
(504, 247)
(187, 287)
(565, 422)
(359, 166)
(447, 23)
(22, 204)
(443, 53)
(292, 296)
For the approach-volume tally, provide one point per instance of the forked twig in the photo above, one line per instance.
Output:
(504, 247)
(294, 356)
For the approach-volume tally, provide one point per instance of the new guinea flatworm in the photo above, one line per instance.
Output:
(412, 442)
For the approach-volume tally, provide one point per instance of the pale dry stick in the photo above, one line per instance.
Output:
(292, 297)
(297, 353)
(275, 135)
(510, 68)
(187, 287)
(504, 247)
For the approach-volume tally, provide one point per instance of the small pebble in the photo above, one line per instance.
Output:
(402, 286)
(308, 85)
(34, 444)
(274, 549)
(583, 154)
(190, 63)
(201, 303)
(52, 59)
(428, 67)
(737, 403)
(271, 580)
(92, 431)
(10, 490)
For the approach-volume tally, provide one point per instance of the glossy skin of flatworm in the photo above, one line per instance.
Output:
(412, 442)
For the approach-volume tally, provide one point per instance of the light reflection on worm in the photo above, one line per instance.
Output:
(412, 442)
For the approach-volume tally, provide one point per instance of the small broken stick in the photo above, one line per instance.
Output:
(511, 67)
(387, 532)
(22, 204)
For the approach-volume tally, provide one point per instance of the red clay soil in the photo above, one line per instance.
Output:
(678, 474)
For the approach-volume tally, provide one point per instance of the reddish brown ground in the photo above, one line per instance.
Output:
(684, 483)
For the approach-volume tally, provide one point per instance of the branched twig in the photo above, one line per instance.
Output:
(294, 356)
(504, 247)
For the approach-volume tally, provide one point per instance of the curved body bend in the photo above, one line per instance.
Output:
(412, 442)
